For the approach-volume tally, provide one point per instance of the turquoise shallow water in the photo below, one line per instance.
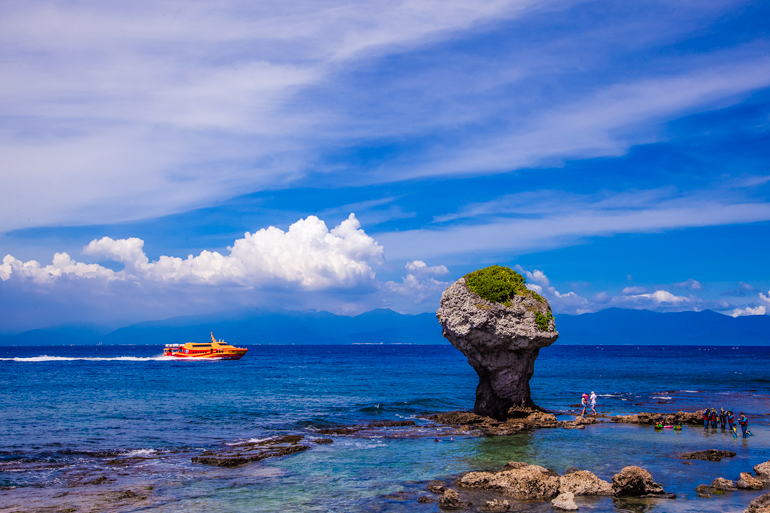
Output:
(67, 418)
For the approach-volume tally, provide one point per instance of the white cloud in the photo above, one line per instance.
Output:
(759, 310)
(633, 290)
(765, 298)
(418, 285)
(689, 284)
(659, 297)
(569, 302)
(308, 255)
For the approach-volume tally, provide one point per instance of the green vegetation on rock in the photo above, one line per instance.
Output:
(499, 284)
(542, 320)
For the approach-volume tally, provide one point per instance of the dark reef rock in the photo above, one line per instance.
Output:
(322, 441)
(425, 499)
(703, 491)
(242, 454)
(635, 482)
(709, 455)
(500, 341)
(352, 430)
(496, 506)
(436, 488)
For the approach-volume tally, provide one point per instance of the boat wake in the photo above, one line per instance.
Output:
(45, 358)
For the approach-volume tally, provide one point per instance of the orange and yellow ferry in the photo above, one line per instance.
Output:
(216, 349)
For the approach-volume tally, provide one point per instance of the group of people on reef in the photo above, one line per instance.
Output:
(726, 419)
(660, 422)
(587, 400)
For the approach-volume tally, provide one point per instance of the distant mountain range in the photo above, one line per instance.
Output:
(246, 327)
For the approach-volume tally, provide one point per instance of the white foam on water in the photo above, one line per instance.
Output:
(45, 358)
(141, 452)
(662, 397)
(251, 441)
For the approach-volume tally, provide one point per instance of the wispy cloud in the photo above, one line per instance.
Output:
(535, 221)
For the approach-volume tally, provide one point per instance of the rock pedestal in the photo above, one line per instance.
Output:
(501, 343)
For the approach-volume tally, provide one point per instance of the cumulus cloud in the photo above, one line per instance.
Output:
(689, 284)
(633, 290)
(308, 255)
(741, 312)
(419, 284)
(568, 302)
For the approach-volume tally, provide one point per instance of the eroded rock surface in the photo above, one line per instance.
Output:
(762, 471)
(748, 482)
(500, 342)
(529, 482)
(451, 500)
(635, 482)
(722, 484)
(583, 482)
(689, 418)
(565, 501)
(496, 506)
(759, 505)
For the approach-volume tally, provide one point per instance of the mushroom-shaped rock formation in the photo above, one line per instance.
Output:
(500, 325)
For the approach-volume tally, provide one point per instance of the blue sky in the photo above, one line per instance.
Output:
(619, 154)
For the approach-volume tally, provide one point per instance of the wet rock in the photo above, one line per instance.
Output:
(500, 342)
(451, 500)
(759, 505)
(709, 455)
(521, 419)
(762, 471)
(400, 496)
(323, 441)
(748, 482)
(127, 495)
(722, 484)
(436, 488)
(690, 418)
(513, 465)
(565, 501)
(530, 482)
(425, 499)
(351, 430)
(634, 481)
(583, 482)
(99, 480)
(703, 490)
(496, 506)
(242, 454)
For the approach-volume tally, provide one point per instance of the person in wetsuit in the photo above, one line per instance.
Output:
(714, 417)
(744, 422)
(706, 418)
(730, 419)
(722, 418)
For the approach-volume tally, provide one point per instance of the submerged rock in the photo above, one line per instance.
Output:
(501, 336)
(690, 418)
(723, 485)
(748, 482)
(425, 499)
(709, 455)
(436, 488)
(583, 482)
(496, 506)
(635, 481)
(703, 490)
(565, 501)
(242, 454)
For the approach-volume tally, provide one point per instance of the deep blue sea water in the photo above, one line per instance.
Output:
(72, 414)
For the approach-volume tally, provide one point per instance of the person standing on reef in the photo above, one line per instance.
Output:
(731, 420)
(584, 402)
(714, 417)
(722, 418)
(744, 422)
(593, 402)
(706, 418)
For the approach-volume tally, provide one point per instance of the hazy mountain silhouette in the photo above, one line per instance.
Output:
(247, 327)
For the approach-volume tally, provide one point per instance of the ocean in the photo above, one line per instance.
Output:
(72, 415)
